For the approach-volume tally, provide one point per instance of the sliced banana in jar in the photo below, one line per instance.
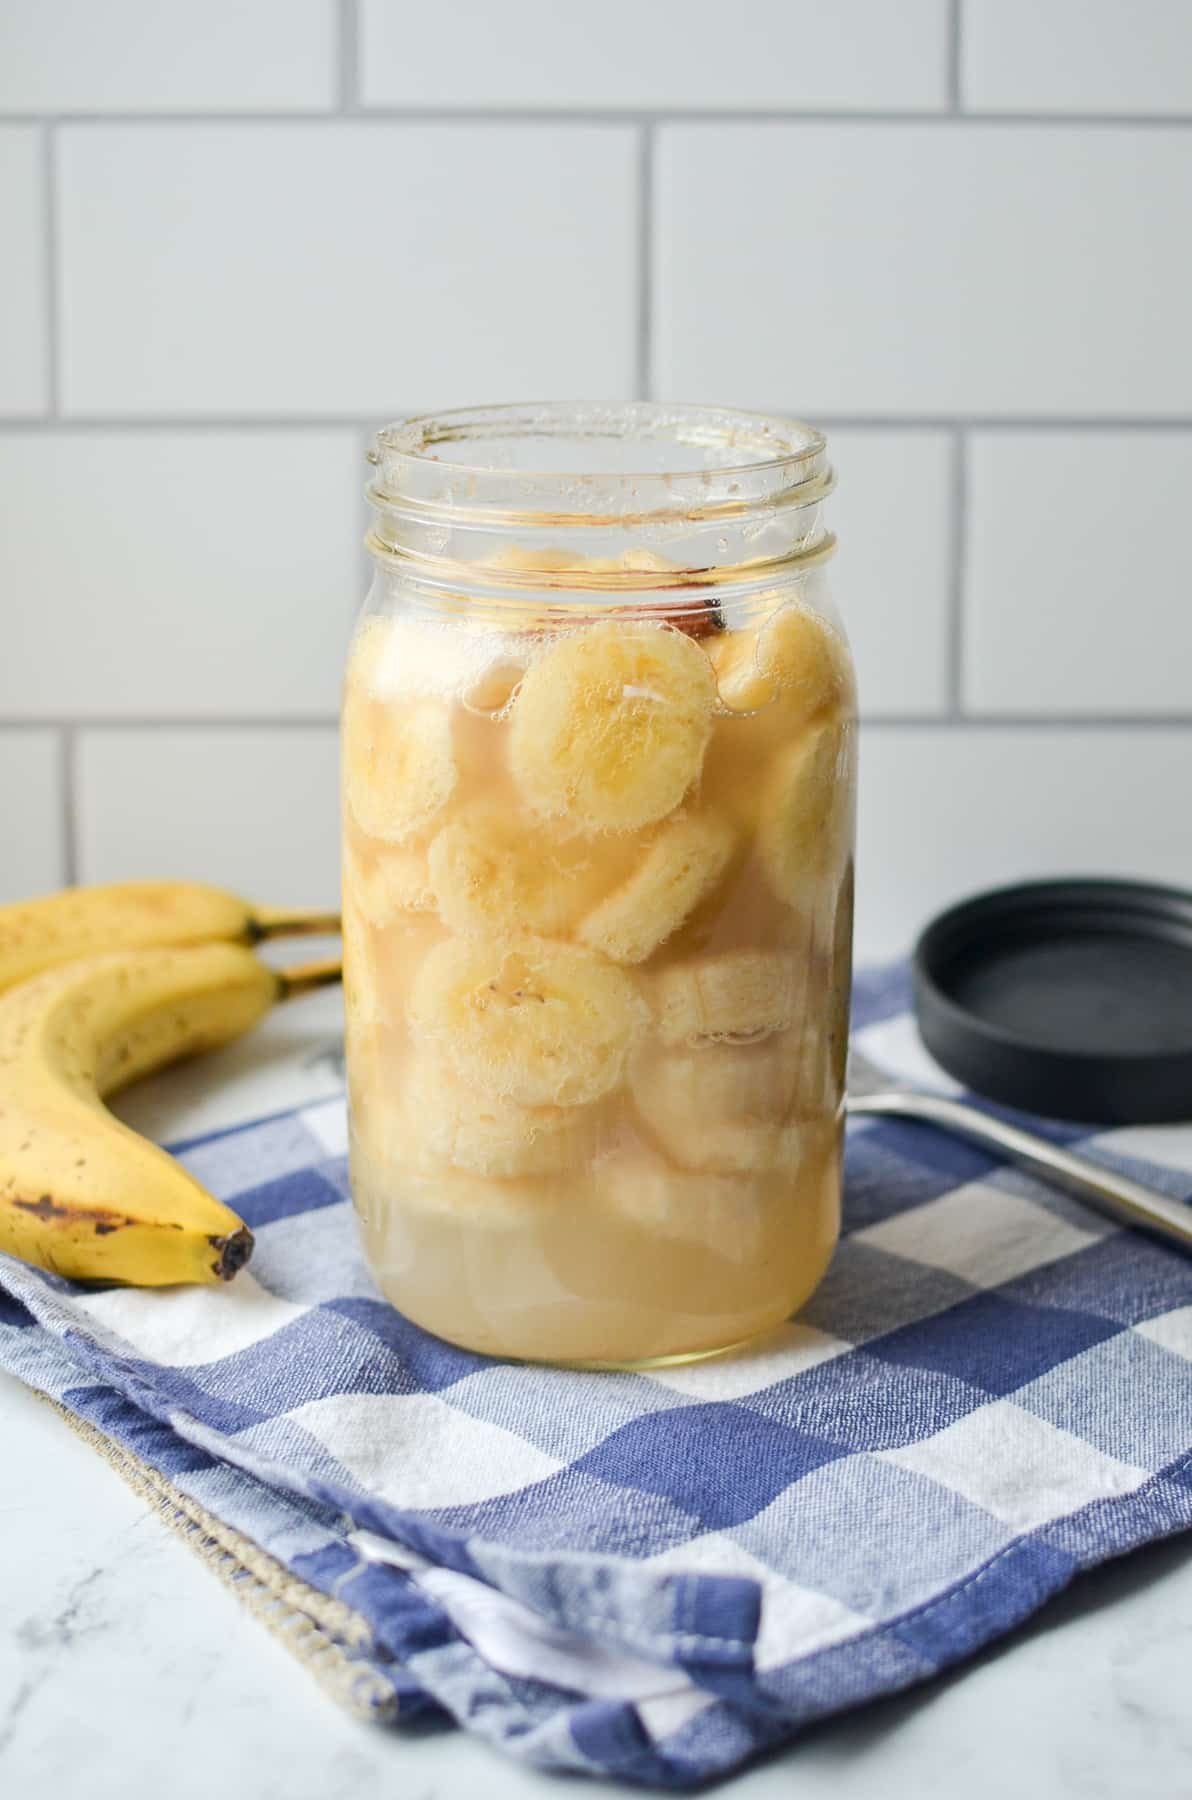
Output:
(393, 879)
(610, 726)
(361, 977)
(479, 1204)
(721, 1215)
(719, 1081)
(804, 813)
(737, 996)
(453, 1123)
(492, 873)
(793, 660)
(427, 1195)
(718, 1143)
(682, 865)
(398, 764)
(530, 1020)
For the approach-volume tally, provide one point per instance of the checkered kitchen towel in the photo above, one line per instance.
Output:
(653, 1576)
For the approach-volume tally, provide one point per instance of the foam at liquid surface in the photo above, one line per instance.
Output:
(645, 1223)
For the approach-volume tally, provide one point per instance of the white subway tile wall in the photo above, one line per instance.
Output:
(1080, 573)
(952, 268)
(104, 56)
(256, 809)
(165, 573)
(1078, 56)
(893, 572)
(23, 299)
(32, 827)
(302, 270)
(943, 812)
(669, 54)
(954, 232)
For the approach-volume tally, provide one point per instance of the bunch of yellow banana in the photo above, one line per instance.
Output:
(99, 986)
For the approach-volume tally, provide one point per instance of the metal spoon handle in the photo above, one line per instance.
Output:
(1116, 1195)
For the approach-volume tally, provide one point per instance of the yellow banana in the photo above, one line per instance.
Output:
(81, 1193)
(84, 921)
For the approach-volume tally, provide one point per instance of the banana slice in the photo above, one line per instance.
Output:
(738, 996)
(683, 864)
(738, 1147)
(474, 1204)
(806, 809)
(726, 1108)
(720, 1081)
(399, 767)
(540, 1023)
(610, 726)
(489, 1136)
(494, 874)
(721, 1215)
(391, 1194)
(368, 656)
(362, 1001)
(793, 659)
(394, 879)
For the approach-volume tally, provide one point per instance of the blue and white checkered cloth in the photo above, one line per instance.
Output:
(654, 1576)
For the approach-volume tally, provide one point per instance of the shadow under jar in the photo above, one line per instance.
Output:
(598, 756)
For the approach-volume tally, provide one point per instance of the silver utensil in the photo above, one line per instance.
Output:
(871, 1091)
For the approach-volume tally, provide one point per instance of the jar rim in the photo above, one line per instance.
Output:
(767, 440)
(706, 460)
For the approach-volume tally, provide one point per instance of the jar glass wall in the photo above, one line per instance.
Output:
(598, 754)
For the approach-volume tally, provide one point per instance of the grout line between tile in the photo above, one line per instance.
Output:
(958, 552)
(260, 422)
(832, 421)
(610, 115)
(347, 45)
(173, 722)
(645, 263)
(68, 804)
(1123, 722)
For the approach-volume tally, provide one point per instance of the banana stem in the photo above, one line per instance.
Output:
(306, 977)
(280, 921)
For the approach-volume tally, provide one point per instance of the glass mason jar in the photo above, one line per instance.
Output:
(598, 753)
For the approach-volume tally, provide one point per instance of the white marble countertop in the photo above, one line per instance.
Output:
(127, 1671)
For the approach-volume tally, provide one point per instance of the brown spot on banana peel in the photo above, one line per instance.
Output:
(50, 1211)
(233, 1252)
(45, 1207)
